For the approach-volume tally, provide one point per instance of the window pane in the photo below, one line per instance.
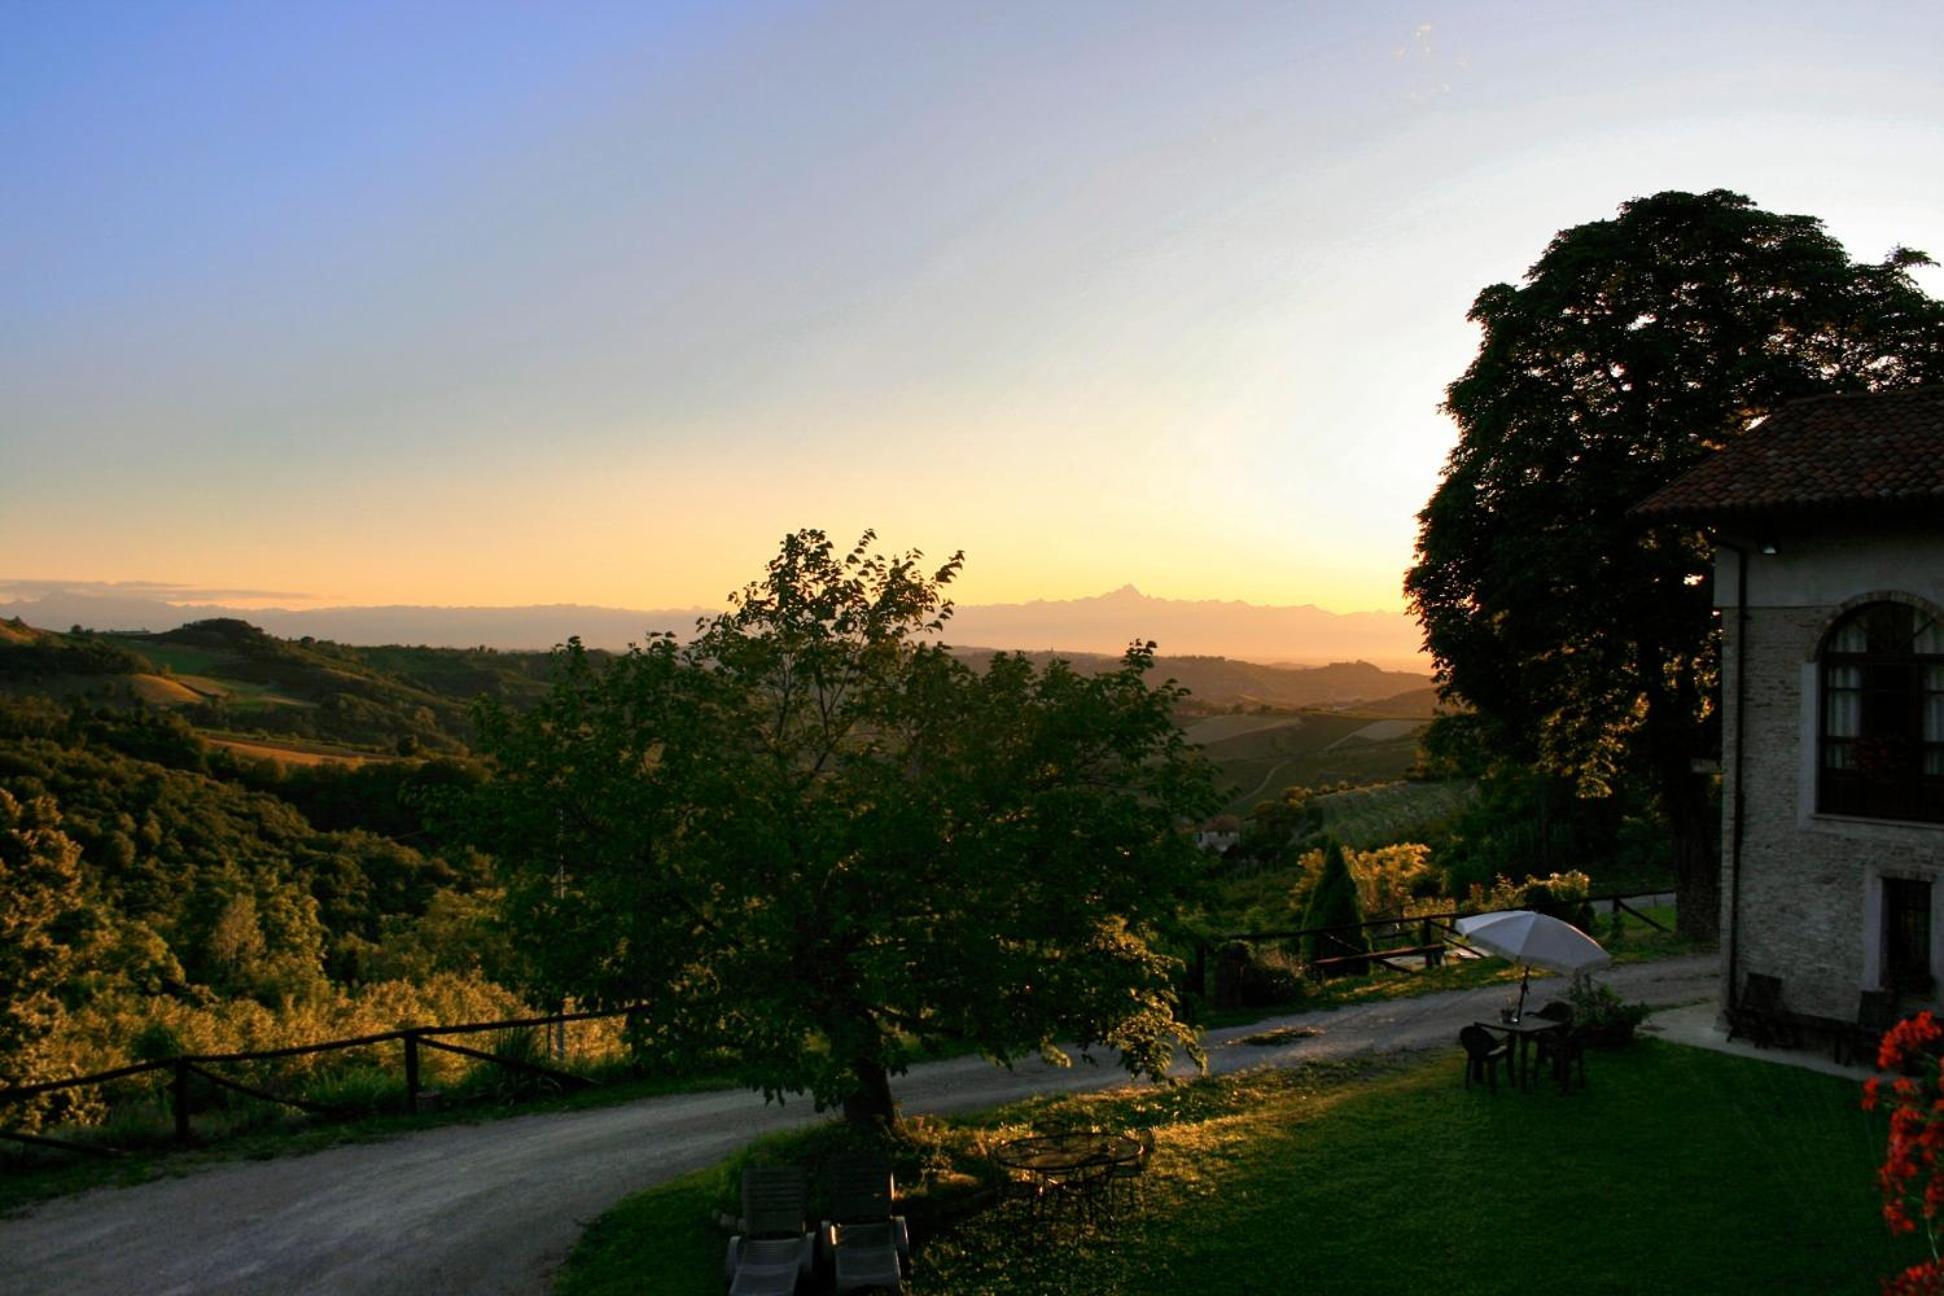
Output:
(1888, 627)
(1934, 703)
(1843, 707)
(1849, 637)
(1906, 934)
(1930, 638)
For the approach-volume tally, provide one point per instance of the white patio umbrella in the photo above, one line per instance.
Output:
(1533, 940)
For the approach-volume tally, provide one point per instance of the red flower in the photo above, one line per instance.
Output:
(1925, 1279)
(1911, 1177)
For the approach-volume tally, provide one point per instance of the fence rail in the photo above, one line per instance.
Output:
(1441, 923)
(196, 1065)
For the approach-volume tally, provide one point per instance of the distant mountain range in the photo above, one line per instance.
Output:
(1300, 635)
(1220, 682)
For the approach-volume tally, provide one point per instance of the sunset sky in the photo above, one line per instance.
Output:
(531, 303)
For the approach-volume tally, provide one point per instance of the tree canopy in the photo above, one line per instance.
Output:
(816, 843)
(41, 923)
(1634, 348)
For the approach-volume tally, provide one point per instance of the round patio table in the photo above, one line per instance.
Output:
(1069, 1170)
(1054, 1155)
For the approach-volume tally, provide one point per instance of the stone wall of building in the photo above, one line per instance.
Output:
(1810, 885)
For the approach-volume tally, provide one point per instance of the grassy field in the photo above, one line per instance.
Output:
(290, 752)
(1675, 1170)
(183, 659)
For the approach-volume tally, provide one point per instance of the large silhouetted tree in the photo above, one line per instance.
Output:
(813, 842)
(1635, 347)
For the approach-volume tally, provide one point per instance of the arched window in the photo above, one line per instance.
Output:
(1883, 715)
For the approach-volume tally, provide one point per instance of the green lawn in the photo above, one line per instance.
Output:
(1677, 1170)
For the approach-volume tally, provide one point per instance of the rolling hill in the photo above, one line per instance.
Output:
(242, 687)
(1223, 682)
(1101, 624)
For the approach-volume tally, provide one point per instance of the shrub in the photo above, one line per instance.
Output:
(1390, 877)
(1245, 978)
(1560, 895)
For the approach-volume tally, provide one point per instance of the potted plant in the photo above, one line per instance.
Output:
(1600, 1014)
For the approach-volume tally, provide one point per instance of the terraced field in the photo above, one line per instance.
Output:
(1389, 812)
(1257, 756)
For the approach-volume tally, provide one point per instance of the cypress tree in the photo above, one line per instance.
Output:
(1333, 903)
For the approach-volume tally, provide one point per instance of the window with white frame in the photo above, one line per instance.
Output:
(1882, 739)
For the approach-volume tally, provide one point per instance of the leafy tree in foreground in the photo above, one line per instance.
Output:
(1635, 347)
(816, 843)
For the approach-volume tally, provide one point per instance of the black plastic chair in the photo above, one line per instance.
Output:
(1125, 1176)
(1876, 1012)
(1484, 1056)
(1760, 1016)
(1567, 1053)
(1557, 1046)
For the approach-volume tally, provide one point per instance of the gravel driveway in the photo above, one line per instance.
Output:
(496, 1207)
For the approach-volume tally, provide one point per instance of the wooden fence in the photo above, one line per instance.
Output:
(196, 1066)
(1432, 929)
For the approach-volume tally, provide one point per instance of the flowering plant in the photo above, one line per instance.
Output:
(1911, 1179)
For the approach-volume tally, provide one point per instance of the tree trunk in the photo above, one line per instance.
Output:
(870, 1105)
(1674, 740)
(1697, 862)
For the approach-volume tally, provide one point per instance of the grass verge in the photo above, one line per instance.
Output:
(1676, 1170)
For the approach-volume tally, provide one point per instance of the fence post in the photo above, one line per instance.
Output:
(411, 1071)
(1199, 976)
(179, 1099)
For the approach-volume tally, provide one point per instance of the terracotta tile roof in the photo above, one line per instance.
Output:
(1884, 450)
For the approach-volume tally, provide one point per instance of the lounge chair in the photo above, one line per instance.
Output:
(868, 1245)
(1484, 1055)
(775, 1250)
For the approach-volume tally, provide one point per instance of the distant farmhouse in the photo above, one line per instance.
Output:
(1220, 834)
(1828, 522)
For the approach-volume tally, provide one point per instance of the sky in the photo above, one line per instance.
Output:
(475, 303)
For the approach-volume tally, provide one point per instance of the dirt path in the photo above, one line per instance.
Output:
(496, 1207)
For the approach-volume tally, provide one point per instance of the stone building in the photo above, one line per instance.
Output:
(1828, 524)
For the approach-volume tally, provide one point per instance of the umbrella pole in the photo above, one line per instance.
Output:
(1524, 979)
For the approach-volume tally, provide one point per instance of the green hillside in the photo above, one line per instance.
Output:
(300, 700)
(1258, 756)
